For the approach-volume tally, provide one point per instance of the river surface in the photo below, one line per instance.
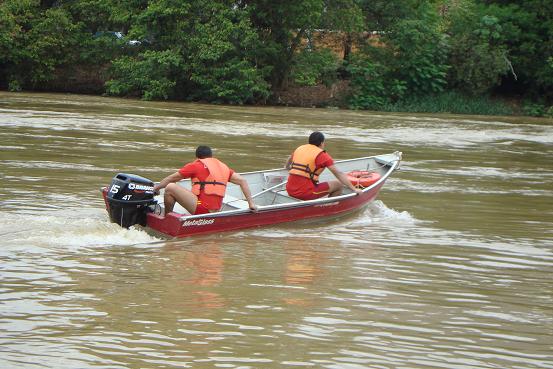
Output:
(451, 267)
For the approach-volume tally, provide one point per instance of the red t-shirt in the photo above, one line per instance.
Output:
(298, 185)
(199, 170)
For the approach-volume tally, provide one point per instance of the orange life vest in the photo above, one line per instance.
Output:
(216, 181)
(303, 162)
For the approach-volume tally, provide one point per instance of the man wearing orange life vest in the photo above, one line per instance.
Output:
(209, 182)
(305, 165)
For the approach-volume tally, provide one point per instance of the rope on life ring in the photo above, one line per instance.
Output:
(362, 178)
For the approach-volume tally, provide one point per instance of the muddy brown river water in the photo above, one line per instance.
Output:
(452, 266)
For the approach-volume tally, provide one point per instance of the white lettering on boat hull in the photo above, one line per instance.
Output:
(198, 222)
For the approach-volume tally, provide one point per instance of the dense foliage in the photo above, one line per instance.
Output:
(393, 53)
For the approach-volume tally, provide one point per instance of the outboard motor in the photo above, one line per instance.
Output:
(128, 198)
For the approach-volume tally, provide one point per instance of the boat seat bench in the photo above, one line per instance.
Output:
(233, 203)
(283, 196)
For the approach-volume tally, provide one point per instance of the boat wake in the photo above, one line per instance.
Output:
(68, 229)
(378, 213)
(89, 228)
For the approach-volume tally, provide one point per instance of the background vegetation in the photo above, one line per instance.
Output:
(468, 56)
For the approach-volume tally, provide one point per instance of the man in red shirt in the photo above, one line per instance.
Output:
(209, 178)
(305, 165)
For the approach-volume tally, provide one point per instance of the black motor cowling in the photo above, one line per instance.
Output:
(128, 198)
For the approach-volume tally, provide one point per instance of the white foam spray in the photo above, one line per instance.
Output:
(69, 229)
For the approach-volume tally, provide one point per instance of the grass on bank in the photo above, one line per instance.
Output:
(451, 102)
(458, 103)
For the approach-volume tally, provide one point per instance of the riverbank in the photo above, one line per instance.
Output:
(91, 81)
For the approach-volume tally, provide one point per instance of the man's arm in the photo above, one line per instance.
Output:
(175, 177)
(343, 179)
(289, 163)
(239, 180)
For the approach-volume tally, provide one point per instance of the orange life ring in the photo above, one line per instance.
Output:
(363, 178)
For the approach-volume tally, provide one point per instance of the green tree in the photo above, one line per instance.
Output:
(212, 49)
(373, 87)
(105, 15)
(312, 67)
(417, 51)
(478, 55)
(409, 59)
(221, 59)
(237, 51)
(147, 76)
(346, 17)
(34, 41)
(528, 36)
(282, 26)
(382, 15)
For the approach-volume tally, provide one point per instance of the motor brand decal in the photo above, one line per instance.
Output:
(135, 186)
(198, 222)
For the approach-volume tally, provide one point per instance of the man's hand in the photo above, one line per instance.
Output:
(253, 207)
(175, 177)
(239, 180)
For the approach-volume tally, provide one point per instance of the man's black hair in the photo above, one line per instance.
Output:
(203, 152)
(316, 138)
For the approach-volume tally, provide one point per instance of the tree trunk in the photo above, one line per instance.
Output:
(348, 40)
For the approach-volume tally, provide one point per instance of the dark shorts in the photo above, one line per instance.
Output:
(320, 190)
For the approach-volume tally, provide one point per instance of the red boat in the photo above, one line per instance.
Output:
(130, 200)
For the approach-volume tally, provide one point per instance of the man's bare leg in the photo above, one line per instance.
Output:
(335, 188)
(175, 193)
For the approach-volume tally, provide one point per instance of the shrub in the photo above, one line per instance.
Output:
(418, 54)
(150, 76)
(371, 89)
(14, 86)
(412, 61)
(534, 109)
(314, 67)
